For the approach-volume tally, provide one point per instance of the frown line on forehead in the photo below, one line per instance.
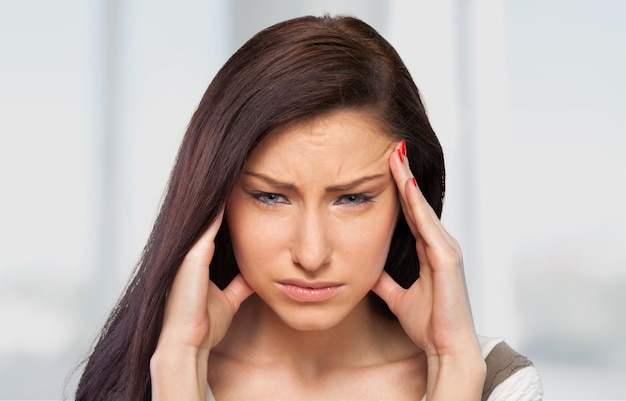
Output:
(332, 188)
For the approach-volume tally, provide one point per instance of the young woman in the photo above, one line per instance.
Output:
(308, 187)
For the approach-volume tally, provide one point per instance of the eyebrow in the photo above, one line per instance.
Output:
(333, 188)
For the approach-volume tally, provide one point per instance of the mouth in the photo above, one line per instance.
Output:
(303, 291)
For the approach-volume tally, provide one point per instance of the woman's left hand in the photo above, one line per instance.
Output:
(435, 311)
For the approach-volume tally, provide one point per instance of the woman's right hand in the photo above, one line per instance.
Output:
(197, 316)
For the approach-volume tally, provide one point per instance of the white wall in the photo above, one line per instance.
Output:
(528, 99)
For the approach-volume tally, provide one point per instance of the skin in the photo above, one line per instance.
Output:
(316, 206)
(303, 212)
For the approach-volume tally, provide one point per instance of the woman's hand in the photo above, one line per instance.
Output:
(435, 311)
(197, 315)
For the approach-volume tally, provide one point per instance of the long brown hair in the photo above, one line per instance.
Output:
(292, 71)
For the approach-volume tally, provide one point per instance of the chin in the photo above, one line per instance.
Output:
(312, 317)
(311, 321)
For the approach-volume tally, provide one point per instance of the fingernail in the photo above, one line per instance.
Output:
(403, 147)
(414, 182)
(400, 156)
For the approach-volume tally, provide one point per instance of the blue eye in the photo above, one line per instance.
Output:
(354, 200)
(268, 198)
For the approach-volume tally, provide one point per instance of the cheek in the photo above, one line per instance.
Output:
(381, 222)
(255, 238)
(367, 239)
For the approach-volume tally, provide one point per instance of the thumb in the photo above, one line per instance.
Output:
(237, 291)
(390, 291)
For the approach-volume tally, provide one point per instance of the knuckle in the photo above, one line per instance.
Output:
(452, 256)
(394, 299)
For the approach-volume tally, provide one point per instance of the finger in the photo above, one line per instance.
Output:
(398, 164)
(420, 216)
(201, 252)
(388, 290)
(429, 227)
(192, 278)
(422, 219)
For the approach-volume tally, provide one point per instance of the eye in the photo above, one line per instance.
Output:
(269, 198)
(354, 200)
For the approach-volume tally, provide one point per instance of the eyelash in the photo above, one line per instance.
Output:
(262, 197)
(363, 200)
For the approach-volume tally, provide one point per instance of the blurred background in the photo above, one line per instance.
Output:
(528, 98)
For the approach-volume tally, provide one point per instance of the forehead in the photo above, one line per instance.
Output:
(340, 131)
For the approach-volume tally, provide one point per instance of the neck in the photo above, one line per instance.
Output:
(261, 335)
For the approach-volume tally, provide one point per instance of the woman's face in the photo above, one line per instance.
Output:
(312, 216)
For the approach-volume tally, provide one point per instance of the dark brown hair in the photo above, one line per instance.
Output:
(290, 72)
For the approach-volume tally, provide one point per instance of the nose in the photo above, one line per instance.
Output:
(311, 249)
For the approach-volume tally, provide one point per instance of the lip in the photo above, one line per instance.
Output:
(305, 291)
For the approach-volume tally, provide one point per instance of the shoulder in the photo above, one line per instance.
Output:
(510, 375)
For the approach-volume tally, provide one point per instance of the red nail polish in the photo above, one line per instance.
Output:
(414, 181)
(400, 156)
(403, 147)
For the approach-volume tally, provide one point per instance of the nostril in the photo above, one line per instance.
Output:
(311, 255)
